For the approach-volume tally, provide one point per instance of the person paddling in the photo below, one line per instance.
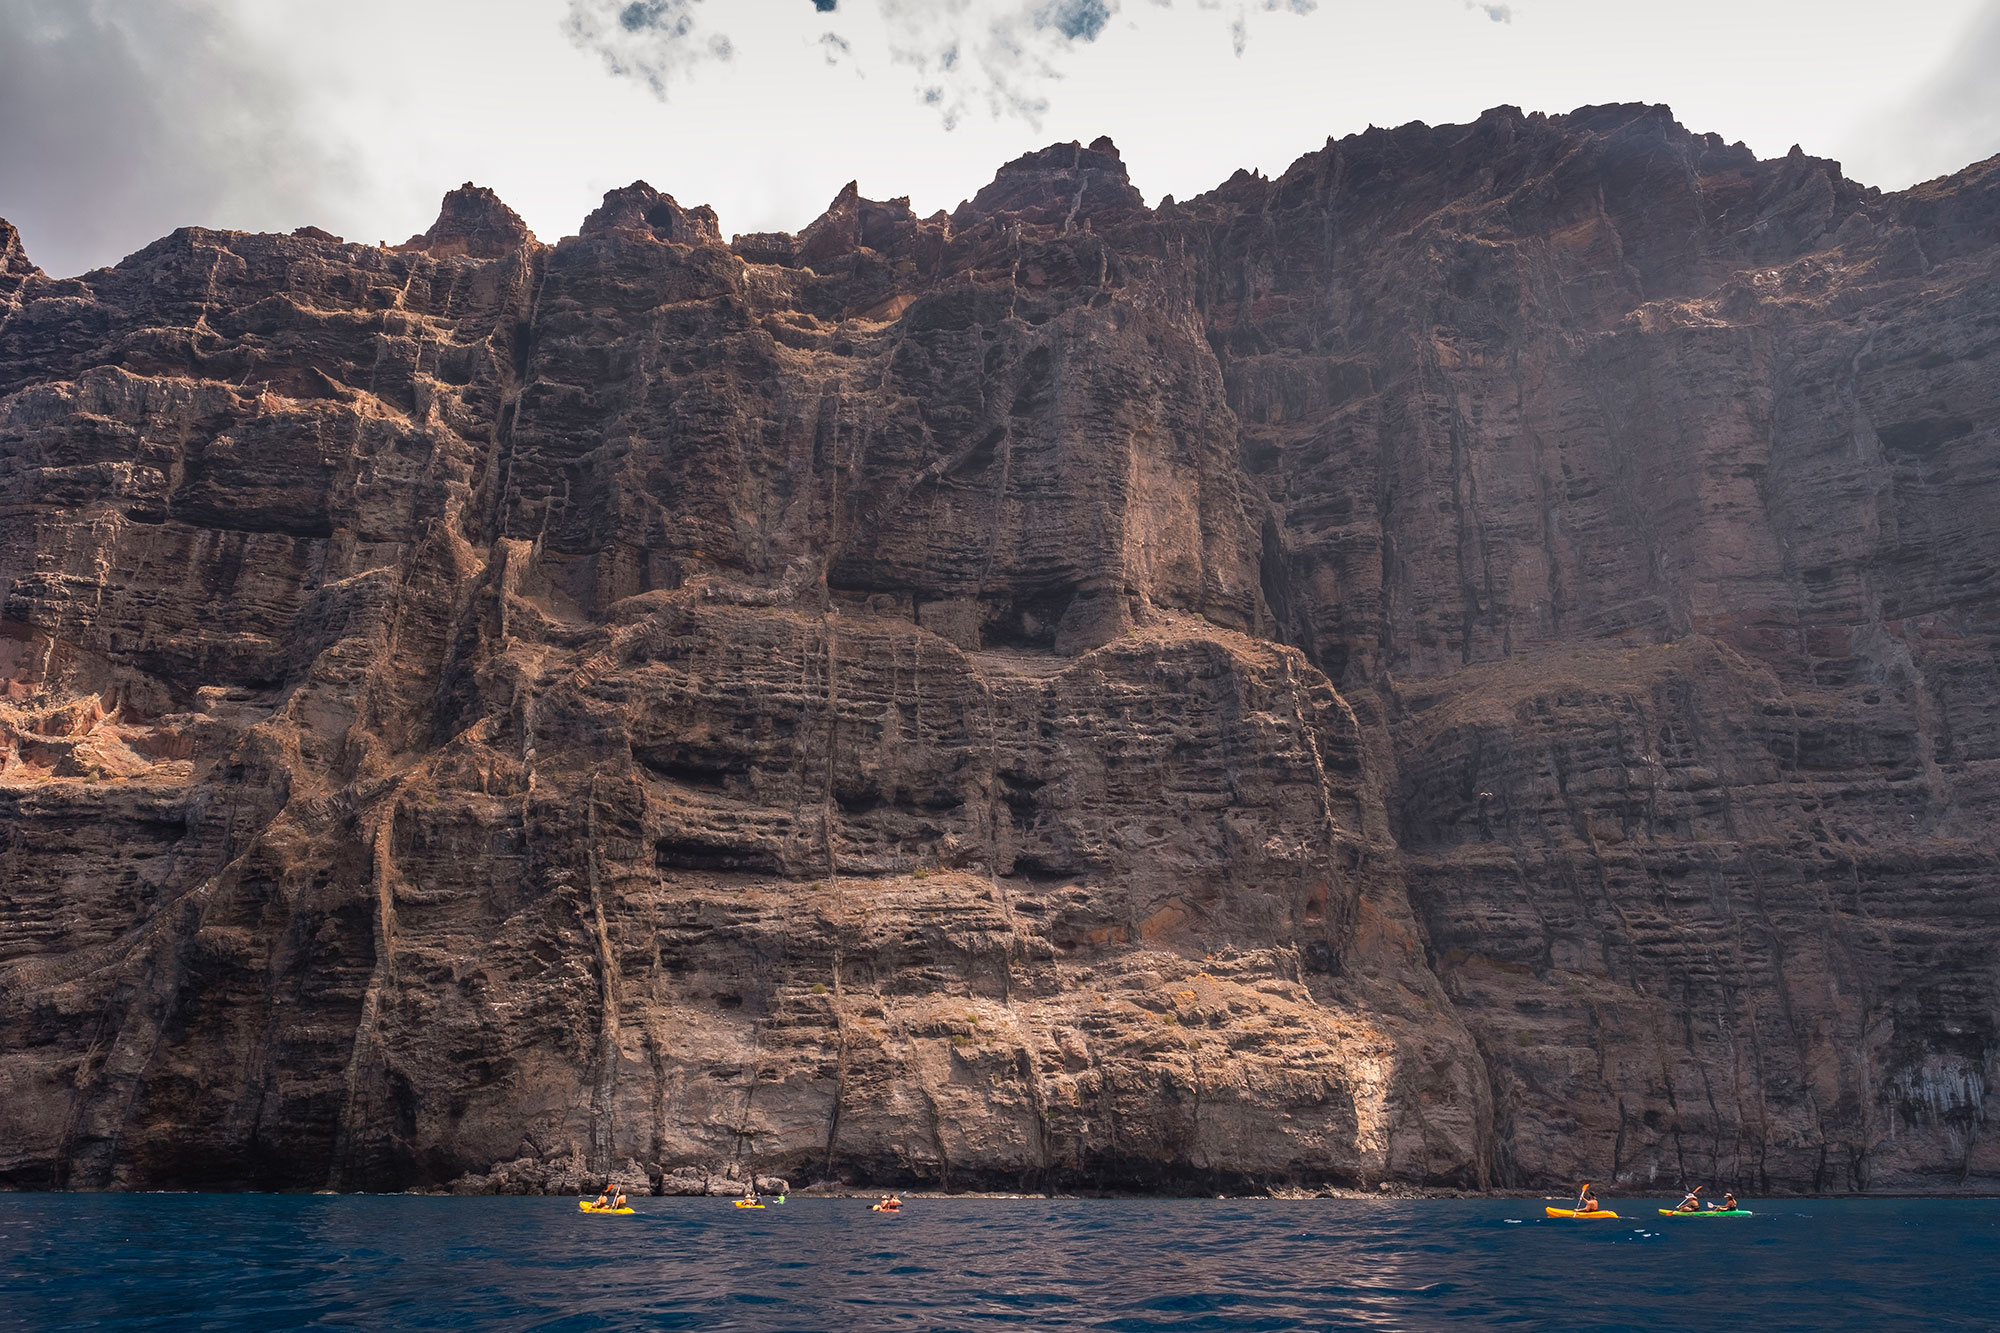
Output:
(1689, 1203)
(1728, 1203)
(619, 1202)
(604, 1199)
(1586, 1202)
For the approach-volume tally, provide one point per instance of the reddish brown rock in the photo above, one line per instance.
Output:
(640, 212)
(1621, 478)
(1064, 186)
(1469, 662)
(473, 222)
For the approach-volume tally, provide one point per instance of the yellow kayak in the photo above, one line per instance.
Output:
(745, 1203)
(593, 1208)
(1571, 1212)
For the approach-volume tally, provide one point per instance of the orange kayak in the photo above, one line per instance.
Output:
(1571, 1212)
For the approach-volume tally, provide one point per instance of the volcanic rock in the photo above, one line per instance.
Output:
(1061, 186)
(472, 222)
(640, 212)
(1470, 662)
(15, 270)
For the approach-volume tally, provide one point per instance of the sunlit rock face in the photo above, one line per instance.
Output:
(1472, 662)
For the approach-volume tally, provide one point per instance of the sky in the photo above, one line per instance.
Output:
(123, 119)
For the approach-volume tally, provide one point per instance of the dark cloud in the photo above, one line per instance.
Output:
(1078, 20)
(826, 6)
(672, 19)
(123, 119)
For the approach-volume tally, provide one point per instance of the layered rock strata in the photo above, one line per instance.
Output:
(1472, 662)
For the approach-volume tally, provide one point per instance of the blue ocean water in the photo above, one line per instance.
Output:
(270, 1262)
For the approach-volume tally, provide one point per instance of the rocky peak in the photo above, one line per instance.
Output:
(1062, 185)
(1681, 209)
(1613, 117)
(15, 267)
(473, 221)
(642, 212)
(853, 223)
(13, 259)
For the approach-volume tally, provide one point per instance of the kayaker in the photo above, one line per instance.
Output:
(1586, 1202)
(604, 1199)
(619, 1202)
(1728, 1202)
(1689, 1203)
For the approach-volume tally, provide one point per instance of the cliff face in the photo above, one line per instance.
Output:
(1471, 662)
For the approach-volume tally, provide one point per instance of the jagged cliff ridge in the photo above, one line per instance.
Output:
(1471, 662)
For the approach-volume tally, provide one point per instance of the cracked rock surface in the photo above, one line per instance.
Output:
(1470, 663)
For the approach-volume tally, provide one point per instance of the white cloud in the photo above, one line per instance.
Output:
(969, 57)
(656, 41)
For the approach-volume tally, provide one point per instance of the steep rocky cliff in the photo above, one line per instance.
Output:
(1472, 662)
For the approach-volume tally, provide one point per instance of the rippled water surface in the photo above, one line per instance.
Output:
(273, 1262)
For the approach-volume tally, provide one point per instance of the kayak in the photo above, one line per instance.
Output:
(593, 1208)
(878, 1208)
(1708, 1212)
(1571, 1212)
(745, 1203)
